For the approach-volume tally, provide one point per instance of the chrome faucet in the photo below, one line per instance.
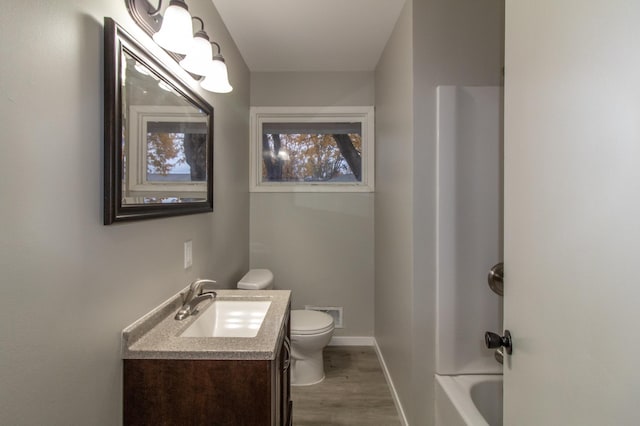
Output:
(195, 295)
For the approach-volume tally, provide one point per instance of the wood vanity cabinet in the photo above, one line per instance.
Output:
(210, 392)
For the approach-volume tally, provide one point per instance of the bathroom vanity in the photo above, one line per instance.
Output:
(172, 379)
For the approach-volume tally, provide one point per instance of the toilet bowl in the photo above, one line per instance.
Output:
(311, 331)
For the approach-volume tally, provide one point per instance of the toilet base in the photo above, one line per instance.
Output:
(308, 371)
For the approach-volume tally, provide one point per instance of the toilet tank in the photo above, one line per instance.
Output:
(256, 279)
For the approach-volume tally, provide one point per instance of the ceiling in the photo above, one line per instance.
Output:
(304, 35)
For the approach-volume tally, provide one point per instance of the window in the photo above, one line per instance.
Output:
(312, 149)
(166, 152)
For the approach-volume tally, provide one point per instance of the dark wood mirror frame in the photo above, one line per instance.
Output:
(117, 41)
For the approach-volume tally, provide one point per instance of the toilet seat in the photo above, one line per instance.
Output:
(305, 322)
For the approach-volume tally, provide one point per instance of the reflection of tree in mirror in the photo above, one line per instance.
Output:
(311, 157)
(182, 155)
(164, 152)
(195, 152)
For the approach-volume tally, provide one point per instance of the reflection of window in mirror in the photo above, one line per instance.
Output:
(167, 150)
(176, 152)
(301, 149)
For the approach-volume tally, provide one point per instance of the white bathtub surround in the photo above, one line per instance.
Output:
(468, 400)
(469, 235)
(468, 382)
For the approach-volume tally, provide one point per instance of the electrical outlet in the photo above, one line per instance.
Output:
(188, 254)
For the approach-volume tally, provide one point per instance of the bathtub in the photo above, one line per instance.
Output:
(469, 400)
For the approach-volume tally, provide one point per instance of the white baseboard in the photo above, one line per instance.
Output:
(352, 341)
(394, 394)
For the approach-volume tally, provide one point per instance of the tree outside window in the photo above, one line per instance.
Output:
(324, 153)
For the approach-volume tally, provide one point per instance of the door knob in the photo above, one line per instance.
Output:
(495, 278)
(494, 341)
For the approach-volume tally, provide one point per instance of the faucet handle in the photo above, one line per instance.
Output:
(207, 286)
(195, 289)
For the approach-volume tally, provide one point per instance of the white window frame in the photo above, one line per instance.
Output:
(139, 116)
(260, 115)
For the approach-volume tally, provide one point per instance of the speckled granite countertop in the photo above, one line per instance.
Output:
(157, 334)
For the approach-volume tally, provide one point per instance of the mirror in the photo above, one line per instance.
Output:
(158, 158)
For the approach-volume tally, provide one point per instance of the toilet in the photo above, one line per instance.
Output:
(311, 331)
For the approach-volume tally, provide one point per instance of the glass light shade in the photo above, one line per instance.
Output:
(176, 32)
(198, 59)
(141, 69)
(217, 78)
(164, 86)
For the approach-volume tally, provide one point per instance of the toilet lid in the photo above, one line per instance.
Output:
(256, 279)
(310, 322)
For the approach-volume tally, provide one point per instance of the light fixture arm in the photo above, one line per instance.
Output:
(154, 12)
(196, 18)
(145, 15)
(201, 32)
(218, 46)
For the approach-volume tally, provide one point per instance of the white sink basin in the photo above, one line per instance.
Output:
(230, 318)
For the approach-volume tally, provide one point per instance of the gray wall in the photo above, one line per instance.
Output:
(394, 205)
(70, 284)
(320, 245)
(452, 42)
(312, 89)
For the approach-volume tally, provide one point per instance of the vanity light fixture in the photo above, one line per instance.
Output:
(198, 59)
(217, 78)
(174, 33)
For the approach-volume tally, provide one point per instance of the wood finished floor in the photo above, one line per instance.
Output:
(354, 392)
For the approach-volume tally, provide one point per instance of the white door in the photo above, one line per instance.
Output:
(572, 212)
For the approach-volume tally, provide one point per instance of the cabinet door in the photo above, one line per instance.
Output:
(285, 375)
(180, 392)
(284, 379)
